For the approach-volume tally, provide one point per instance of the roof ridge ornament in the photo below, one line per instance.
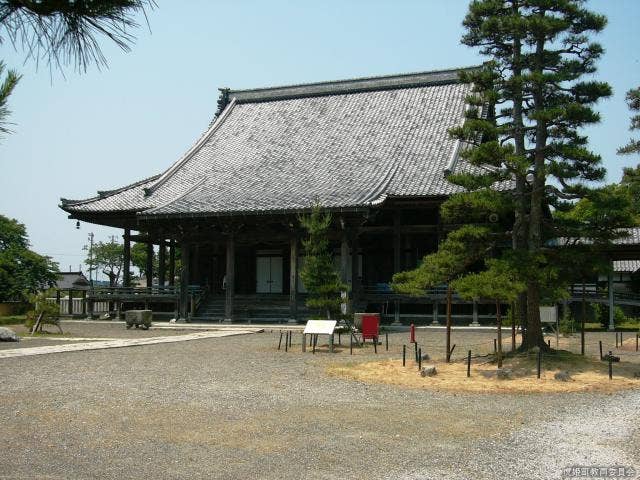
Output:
(223, 100)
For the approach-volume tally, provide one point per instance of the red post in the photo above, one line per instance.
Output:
(412, 334)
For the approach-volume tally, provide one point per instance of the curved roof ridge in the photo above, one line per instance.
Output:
(182, 195)
(107, 193)
(353, 85)
(192, 151)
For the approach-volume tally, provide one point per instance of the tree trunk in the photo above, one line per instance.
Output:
(584, 314)
(520, 226)
(534, 330)
(513, 328)
(448, 346)
(499, 322)
(534, 336)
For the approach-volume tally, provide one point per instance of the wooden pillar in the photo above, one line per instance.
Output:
(148, 269)
(344, 257)
(293, 279)
(229, 278)
(184, 282)
(70, 306)
(397, 258)
(355, 271)
(162, 263)
(474, 321)
(195, 265)
(612, 305)
(172, 263)
(84, 302)
(126, 267)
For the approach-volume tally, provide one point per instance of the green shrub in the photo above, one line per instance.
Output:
(50, 311)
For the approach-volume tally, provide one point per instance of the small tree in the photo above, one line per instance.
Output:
(318, 273)
(110, 257)
(22, 271)
(48, 312)
(139, 258)
(456, 254)
(497, 283)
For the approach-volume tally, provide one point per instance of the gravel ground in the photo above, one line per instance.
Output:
(235, 408)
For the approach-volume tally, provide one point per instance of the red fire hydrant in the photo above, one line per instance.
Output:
(412, 334)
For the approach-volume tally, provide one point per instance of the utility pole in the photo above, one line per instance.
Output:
(90, 248)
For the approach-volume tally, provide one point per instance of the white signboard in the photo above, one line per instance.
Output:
(320, 327)
(548, 314)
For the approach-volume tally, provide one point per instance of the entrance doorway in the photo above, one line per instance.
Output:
(268, 274)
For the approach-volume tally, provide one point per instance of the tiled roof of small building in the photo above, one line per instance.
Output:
(346, 144)
(633, 237)
(72, 280)
(626, 266)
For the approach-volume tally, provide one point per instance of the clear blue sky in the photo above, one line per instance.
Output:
(103, 129)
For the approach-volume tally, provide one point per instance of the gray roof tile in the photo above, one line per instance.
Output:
(283, 148)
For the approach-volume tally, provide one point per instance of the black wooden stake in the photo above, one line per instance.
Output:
(350, 344)
(539, 362)
(452, 349)
(621, 341)
(610, 365)
(290, 338)
(386, 341)
(468, 363)
(616, 339)
(600, 342)
(415, 348)
(339, 338)
(286, 342)
(375, 345)
(280, 341)
(637, 335)
(419, 359)
(549, 343)
(404, 355)
(495, 346)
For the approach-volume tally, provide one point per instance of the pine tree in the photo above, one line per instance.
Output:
(498, 283)
(528, 107)
(633, 100)
(631, 176)
(6, 87)
(64, 32)
(459, 251)
(318, 274)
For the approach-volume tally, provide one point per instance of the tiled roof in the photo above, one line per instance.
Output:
(633, 237)
(626, 266)
(128, 198)
(347, 144)
(72, 280)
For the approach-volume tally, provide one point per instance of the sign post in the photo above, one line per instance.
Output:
(320, 327)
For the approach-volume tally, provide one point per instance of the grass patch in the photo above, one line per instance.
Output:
(13, 320)
(588, 375)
